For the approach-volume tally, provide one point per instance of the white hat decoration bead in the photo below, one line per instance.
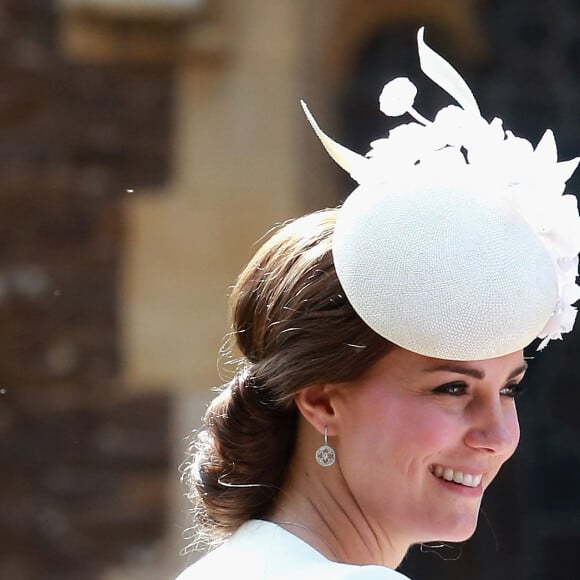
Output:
(459, 242)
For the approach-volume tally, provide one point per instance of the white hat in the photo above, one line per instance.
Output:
(458, 243)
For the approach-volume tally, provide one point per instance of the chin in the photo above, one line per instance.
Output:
(460, 531)
(459, 536)
(453, 529)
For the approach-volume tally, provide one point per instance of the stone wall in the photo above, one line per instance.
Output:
(83, 460)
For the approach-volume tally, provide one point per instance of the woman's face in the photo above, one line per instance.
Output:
(412, 424)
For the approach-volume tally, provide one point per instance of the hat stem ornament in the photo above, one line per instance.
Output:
(459, 242)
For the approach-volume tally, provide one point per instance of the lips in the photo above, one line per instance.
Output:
(456, 476)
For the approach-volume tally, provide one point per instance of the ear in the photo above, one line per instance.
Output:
(316, 405)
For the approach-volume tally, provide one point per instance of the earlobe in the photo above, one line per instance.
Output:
(315, 403)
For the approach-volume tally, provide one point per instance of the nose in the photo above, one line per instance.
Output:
(494, 427)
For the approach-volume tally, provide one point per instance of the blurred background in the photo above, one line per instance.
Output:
(145, 147)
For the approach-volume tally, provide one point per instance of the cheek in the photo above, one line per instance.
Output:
(406, 431)
(513, 426)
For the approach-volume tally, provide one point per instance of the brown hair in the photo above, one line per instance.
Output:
(294, 328)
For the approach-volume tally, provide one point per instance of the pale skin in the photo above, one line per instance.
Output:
(399, 431)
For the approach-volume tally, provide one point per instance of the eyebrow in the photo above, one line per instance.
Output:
(473, 372)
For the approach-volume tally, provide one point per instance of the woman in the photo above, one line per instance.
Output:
(382, 349)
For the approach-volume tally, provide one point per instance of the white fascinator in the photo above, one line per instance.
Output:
(459, 242)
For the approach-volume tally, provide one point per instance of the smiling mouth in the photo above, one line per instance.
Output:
(459, 477)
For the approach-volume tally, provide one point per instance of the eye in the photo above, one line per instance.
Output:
(456, 389)
(513, 390)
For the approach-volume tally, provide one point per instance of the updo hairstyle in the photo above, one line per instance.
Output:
(294, 327)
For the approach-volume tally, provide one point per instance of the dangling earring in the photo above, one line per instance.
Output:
(325, 455)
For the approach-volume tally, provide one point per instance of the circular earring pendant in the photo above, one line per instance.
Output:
(325, 456)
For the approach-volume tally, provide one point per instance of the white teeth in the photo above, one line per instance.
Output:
(449, 474)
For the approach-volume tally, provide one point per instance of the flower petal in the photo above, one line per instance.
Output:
(565, 169)
(350, 161)
(443, 74)
(546, 150)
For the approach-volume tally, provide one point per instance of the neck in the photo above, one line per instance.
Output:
(316, 505)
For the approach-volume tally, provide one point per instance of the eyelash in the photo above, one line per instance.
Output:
(516, 389)
(458, 389)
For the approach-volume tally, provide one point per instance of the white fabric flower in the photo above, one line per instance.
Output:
(561, 322)
(491, 165)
